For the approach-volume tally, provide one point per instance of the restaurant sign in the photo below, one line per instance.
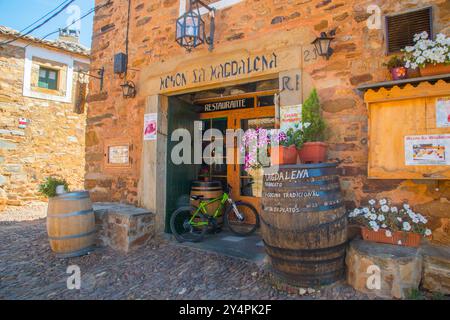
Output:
(227, 105)
(228, 69)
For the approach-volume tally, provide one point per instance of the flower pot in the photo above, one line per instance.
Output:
(257, 185)
(399, 73)
(400, 238)
(313, 152)
(283, 155)
(435, 69)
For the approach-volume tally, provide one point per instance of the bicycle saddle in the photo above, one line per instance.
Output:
(199, 197)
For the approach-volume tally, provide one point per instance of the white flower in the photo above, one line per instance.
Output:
(427, 232)
(415, 220)
(381, 217)
(373, 216)
(384, 226)
(372, 202)
(382, 202)
(399, 219)
(406, 206)
(365, 210)
(406, 226)
(422, 218)
(357, 211)
(388, 233)
(385, 208)
(375, 227)
(394, 209)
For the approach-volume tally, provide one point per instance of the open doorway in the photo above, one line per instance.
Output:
(247, 106)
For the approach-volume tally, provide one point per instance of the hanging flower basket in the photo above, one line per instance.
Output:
(407, 239)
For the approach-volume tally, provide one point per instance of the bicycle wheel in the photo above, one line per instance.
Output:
(183, 230)
(243, 223)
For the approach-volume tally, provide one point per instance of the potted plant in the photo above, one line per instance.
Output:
(52, 187)
(381, 222)
(431, 56)
(396, 67)
(310, 145)
(284, 149)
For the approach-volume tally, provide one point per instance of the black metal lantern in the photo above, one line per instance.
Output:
(128, 89)
(190, 28)
(323, 44)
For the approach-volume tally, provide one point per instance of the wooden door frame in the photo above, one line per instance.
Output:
(234, 118)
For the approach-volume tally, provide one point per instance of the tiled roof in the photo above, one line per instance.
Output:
(63, 45)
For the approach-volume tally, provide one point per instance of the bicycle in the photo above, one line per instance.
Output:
(190, 223)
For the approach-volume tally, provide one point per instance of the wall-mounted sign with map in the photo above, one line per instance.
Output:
(427, 150)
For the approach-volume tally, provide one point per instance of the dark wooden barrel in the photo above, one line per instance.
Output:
(304, 223)
(71, 224)
(209, 190)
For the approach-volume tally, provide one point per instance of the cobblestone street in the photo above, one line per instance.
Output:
(161, 270)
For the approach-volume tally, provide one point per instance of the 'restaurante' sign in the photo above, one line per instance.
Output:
(227, 105)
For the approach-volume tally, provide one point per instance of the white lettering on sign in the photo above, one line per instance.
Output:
(292, 175)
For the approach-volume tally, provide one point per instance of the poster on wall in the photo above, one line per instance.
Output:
(427, 150)
(290, 117)
(443, 112)
(150, 126)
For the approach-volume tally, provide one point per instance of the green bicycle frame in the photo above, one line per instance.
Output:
(204, 205)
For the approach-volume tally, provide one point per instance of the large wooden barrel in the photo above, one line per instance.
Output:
(71, 224)
(209, 190)
(304, 224)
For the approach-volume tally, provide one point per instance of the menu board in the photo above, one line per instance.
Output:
(427, 150)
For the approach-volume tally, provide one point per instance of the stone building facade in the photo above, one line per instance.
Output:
(246, 29)
(42, 114)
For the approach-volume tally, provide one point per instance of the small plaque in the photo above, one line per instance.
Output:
(119, 155)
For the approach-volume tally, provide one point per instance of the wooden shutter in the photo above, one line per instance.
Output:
(401, 28)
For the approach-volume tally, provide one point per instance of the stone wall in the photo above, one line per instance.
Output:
(53, 142)
(358, 57)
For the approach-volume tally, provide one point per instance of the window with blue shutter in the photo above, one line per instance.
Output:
(48, 78)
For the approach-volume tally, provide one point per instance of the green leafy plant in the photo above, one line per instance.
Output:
(415, 294)
(313, 129)
(48, 187)
(292, 137)
(394, 62)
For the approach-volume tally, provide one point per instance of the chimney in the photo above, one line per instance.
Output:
(69, 35)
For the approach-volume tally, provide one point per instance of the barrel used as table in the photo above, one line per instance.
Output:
(304, 223)
(209, 190)
(71, 224)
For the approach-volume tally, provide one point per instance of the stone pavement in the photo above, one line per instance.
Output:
(161, 270)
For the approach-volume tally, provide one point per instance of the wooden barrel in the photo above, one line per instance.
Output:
(304, 224)
(71, 224)
(209, 190)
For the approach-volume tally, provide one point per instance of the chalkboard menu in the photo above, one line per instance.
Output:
(226, 105)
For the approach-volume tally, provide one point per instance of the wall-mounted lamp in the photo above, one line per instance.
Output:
(190, 28)
(128, 89)
(323, 44)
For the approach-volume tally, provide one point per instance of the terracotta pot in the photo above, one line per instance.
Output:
(434, 70)
(283, 155)
(313, 152)
(399, 73)
(407, 239)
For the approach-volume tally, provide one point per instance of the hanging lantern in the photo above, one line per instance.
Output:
(128, 89)
(190, 28)
(323, 45)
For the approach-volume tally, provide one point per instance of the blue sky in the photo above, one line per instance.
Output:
(18, 14)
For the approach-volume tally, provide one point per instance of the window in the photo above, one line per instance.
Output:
(401, 28)
(48, 78)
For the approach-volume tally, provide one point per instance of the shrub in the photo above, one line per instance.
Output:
(48, 187)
